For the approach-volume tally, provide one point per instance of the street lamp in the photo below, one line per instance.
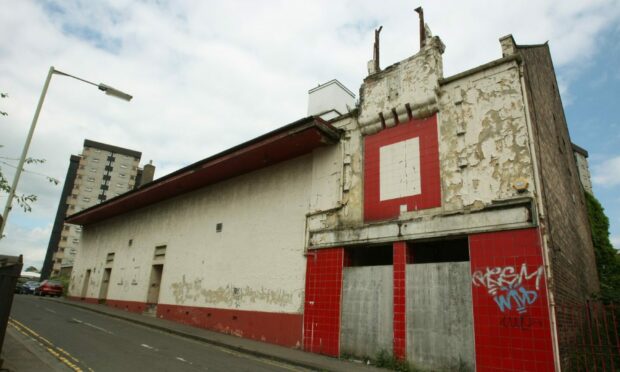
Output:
(103, 87)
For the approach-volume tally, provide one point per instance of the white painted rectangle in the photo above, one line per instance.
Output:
(399, 169)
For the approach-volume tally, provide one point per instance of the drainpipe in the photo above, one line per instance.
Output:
(542, 216)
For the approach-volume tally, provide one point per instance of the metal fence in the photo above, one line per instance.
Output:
(10, 269)
(589, 336)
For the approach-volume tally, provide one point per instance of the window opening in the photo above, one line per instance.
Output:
(368, 255)
(433, 251)
(160, 251)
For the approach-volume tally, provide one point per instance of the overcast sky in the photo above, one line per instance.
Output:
(208, 75)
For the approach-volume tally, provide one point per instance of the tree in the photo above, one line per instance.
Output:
(31, 269)
(607, 260)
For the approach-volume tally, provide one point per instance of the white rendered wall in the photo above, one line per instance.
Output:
(256, 263)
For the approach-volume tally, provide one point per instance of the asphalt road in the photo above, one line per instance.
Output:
(89, 341)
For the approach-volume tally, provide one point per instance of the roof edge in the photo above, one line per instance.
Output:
(294, 127)
(112, 148)
(511, 58)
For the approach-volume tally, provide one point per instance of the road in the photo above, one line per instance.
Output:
(88, 341)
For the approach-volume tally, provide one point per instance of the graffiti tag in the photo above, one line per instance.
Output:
(507, 286)
(523, 322)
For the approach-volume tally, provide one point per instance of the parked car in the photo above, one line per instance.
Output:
(19, 283)
(49, 287)
(28, 287)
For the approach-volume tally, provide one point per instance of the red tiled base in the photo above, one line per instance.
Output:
(88, 300)
(131, 306)
(276, 328)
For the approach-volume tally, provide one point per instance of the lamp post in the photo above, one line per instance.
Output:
(103, 87)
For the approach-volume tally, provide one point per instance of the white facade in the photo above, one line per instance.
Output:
(254, 241)
(272, 216)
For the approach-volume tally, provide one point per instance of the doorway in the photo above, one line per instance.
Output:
(105, 284)
(154, 284)
(440, 334)
(85, 285)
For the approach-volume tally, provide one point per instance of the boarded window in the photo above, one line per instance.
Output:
(160, 251)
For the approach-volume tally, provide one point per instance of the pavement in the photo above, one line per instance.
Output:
(21, 353)
(17, 358)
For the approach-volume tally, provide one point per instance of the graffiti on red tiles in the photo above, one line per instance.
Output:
(511, 288)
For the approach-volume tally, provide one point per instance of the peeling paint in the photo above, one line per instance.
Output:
(488, 129)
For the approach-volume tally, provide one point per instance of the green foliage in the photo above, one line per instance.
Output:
(607, 260)
(65, 283)
(24, 201)
(384, 359)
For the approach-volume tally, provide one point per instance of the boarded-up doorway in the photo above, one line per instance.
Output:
(367, 302)
(105, 284)
(440, 333)
(85, 285)
(154, 284)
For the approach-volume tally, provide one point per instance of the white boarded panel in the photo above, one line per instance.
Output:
(366, 326)
(399, 169)
(440, 331)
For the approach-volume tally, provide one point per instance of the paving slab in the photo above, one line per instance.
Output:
(23, 354)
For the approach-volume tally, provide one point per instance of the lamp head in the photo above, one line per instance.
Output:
(114, 92)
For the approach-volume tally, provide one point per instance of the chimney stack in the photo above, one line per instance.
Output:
(147, 174)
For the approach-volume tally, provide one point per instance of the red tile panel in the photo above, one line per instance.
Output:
(430, 196)
(131, 306)
(400, 320)
(275, 328)
(322, 302)
(509, 293)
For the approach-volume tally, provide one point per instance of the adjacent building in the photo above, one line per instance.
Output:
(100, 173)
(441, 219)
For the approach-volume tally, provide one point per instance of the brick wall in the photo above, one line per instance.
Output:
(566, 225)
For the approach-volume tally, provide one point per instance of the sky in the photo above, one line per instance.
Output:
(209, 75)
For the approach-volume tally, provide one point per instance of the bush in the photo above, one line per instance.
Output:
(607, 260)
(65, 283)
(384, 359)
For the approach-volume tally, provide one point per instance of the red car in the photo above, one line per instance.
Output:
(49, 287)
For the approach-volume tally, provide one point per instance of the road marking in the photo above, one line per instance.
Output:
(57, 352)
(149, 347)
(92, 326)
(183, 360)
(50, 310)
